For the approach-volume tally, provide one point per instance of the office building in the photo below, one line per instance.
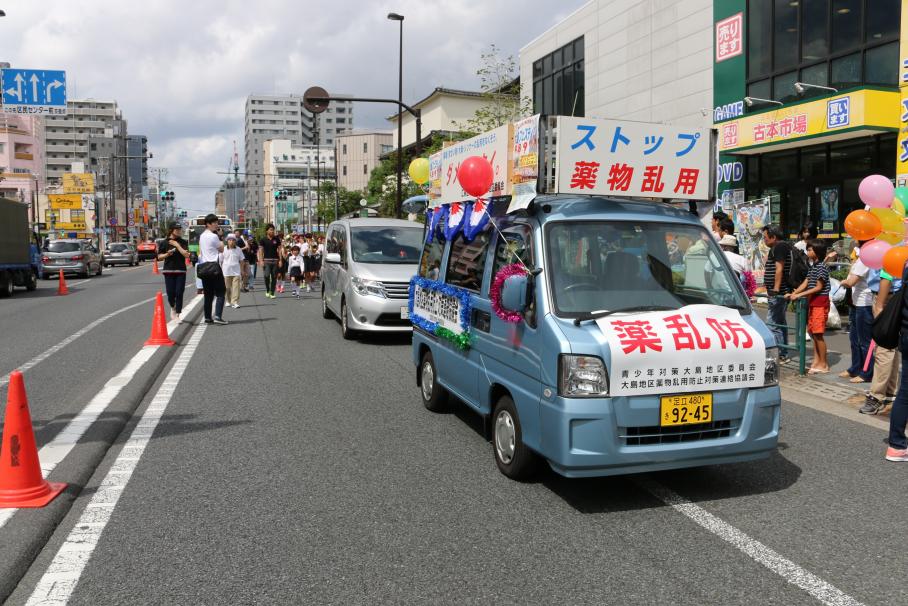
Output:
(358, 153)
(284, 117)
(296, 171)
(21, 160)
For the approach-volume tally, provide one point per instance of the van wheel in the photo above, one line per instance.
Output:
(326, 313)
(346, 332)
(434, 396)
(6, 285)
(31, 282)
(513, 458)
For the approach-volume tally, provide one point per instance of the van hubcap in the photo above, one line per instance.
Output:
(427, 381)
(505, 436)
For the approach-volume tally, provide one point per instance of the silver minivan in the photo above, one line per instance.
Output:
(366, 273)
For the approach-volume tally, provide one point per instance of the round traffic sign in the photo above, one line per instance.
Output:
(314, 99)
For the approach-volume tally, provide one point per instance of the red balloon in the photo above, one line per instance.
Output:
(475, 175)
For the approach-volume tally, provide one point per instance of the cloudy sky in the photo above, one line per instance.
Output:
(181, 70)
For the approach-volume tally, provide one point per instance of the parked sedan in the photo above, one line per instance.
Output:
(71, 257)
(147, 250)
(120, 253)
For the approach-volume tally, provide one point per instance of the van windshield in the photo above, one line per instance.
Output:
(386, 245)
(617, 265)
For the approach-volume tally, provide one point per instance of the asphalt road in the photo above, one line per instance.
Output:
(291, 466)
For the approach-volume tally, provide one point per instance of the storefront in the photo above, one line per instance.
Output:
(807, 104)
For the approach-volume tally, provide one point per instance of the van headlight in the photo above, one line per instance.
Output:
(367, 287)
(582, 377)
(771, 372)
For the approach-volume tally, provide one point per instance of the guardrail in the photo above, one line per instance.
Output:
(800, 328)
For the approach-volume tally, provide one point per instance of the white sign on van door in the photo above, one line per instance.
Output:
(694, 348)
(625, 158)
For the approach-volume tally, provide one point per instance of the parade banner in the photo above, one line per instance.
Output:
(441, 309)
(524, 163)
(65, 201)
(493, 146)
(78, 183)
(698, 348)
(626, 158)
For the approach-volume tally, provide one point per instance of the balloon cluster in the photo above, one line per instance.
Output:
(882, 223)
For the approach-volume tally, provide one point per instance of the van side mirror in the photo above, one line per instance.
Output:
(514, 294)
(332, 258)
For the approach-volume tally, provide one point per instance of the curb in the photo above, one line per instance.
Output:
(28, 538)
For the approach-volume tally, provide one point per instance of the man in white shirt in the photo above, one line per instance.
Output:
(210, 248)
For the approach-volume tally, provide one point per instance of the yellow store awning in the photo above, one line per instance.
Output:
(844, 116)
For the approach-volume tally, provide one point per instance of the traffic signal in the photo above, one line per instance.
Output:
(280, 194)
(167, 196)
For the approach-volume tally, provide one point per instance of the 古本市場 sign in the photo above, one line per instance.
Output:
(78, 183)
(856, 114)
(626, 158)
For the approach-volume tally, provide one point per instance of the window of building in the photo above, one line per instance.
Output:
(365, 148)
(344, 170)
(881, 65)
(759, 39)
(77, 215)
(558, 81)
(467, 261)
(846, 24)
(365, 169)
(344, 149)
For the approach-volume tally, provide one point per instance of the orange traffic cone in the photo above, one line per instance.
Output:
(188, 262)
(154, 267)
(21, 482)
(61, 289)
(159, 324)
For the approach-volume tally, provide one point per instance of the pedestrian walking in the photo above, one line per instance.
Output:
(311, 263)
(807, 232)
(295, 265)
(243, 245)
(775, 279)
(231, 264)
(174, 252)
(252, 257)
(860, 320)
(898, 416)
(281, 263)
(269, 255)
(209, 270)
(816, 289)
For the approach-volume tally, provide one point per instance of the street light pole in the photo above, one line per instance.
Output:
(400, 112)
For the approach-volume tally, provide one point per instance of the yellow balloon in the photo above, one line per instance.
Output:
(893, 225)
(898, 208)
(419, 171)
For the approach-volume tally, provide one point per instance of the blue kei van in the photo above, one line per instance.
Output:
(601, 336)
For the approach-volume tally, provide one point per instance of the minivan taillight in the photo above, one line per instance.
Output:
(45, 259)
(77, 258)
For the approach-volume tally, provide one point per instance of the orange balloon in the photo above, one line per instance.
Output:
(863, 225)
(894, 260)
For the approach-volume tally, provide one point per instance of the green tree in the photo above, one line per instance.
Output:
(500, 92)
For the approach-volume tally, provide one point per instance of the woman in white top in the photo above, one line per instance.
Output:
(231, 265)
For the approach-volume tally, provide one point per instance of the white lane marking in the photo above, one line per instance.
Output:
(79, 282)
(52, 453)
(187, 309)
(48, 353)
(62, 575)
(785, 568)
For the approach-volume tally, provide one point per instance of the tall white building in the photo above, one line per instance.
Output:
(629, 59)
(296, 170)
(69, 138)
(284, 117)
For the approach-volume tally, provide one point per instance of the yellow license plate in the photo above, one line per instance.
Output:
(686, 409)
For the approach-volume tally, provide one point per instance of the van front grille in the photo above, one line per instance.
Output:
(397, 290)
(645, 436)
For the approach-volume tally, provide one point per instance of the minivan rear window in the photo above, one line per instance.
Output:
(63, 247)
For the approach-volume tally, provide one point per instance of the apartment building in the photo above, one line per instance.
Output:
(69, 138)
(284, 117)
(297, 171)
(21, 158)
(358, 154)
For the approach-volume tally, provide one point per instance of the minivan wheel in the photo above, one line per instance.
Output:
(347, 332)
(434, 396)
(513, 458)
(326, 313)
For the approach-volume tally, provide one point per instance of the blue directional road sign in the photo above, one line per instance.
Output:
(33, 91)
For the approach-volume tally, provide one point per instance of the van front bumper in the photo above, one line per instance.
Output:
(376, 314)
(609, 436)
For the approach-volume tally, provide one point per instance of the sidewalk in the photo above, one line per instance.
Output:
(829, 386)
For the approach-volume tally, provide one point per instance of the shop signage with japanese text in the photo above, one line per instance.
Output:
(65, 201)
(493, 145)
(78, 183)
(730, 37)
(626, 158)
(694, 348)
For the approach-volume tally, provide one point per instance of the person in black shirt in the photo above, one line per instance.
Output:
(252, 255)
(269, 257)
(775, 279)
(174, 252)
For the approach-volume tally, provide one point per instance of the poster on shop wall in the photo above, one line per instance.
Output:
(698, 348)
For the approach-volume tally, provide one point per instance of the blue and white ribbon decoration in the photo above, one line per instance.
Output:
(434, 218)
(458, 213)
(478, 219)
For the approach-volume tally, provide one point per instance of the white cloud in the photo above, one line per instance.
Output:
(181, 71)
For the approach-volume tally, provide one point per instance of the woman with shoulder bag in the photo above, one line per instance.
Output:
(209, 270)
(891, 327)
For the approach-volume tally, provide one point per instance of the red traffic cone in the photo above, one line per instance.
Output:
(188, 262)
(159, 324)
(61, 289)
(21, 482)
(154, 267)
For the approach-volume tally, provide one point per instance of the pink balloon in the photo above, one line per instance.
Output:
(872, 253)
(876, 191)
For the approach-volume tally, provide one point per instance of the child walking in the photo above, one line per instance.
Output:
(816, 289)
(295, 267)
(231, 260)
